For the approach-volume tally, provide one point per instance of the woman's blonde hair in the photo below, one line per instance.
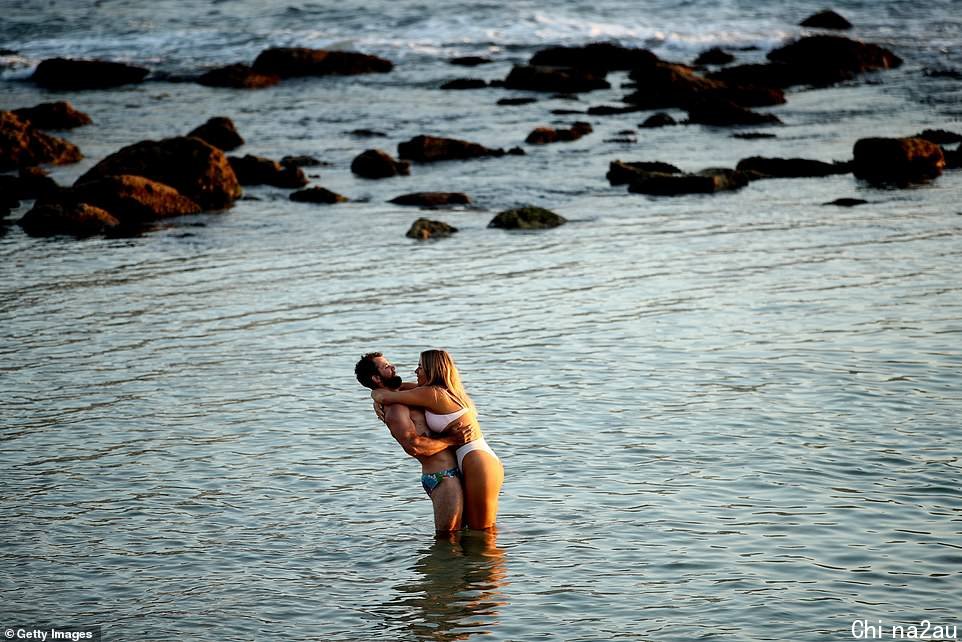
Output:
(439, 369)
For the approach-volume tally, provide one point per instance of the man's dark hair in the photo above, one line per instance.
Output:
(366, 368)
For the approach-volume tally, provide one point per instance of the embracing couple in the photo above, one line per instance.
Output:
(436, 423)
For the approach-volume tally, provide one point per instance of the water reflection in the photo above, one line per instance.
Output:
(457, 590)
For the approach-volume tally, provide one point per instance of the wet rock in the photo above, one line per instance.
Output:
(73, 219)
(621, 173)
(424, 229)
(753, 135)
(567, 112)
(465, 83)
(194, 168)
(791, 167)
(238, 76)
(470, 61)
(601, 56)
(846, 202)
(557, 79)
(432, 199)
(714, 56)
(289, 62)
(546, 135)
(429, 149)
(22, 145)
(940, 136)
(33, 182)
(953, 158)
(661, 119)
(826, 20)
(219, 132)
(55, 115)
(511, 102)
(301, 161)
(943, 73)
(723, 113)
(255, 170)
(610, 110)
(669, 85)
(897, 160)
(367, 133)
(527, 218)
(318, 195)
(707, 181)
(66, 73)
(376, 163)
(134, 200)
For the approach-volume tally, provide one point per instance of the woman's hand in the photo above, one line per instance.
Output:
(379, 410)
(378, 396)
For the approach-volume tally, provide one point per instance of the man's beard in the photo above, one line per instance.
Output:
(393, 383)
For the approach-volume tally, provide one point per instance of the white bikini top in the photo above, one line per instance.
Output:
(437, 423)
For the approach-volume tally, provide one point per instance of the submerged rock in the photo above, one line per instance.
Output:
(940, 136)
(55, 115)
(255, 170)
(424, 229)
(621, 173)
(714, 56)
(512, 102)
(612, 110)
(670, 85)
(470, 61)
(238, 76)
(66, 73)
(220, 132)
(764, 167)
(73, 219)
(846, 202)
(318, 195)
(194, 168)
(601, 56)
(429, 149)
(827, 19)
(289, 62)
(661, 119)
(22, 145)
(707, 181)
(555, 79)
(527, 218)
(376, 163)
(546, 135)
(897, 160)
(465, 83)
(432, 199)
(723, 113)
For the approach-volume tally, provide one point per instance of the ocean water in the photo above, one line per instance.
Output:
(727, 417)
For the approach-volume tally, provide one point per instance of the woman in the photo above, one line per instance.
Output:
(440, 393)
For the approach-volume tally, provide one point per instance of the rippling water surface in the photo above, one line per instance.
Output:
(730, 417)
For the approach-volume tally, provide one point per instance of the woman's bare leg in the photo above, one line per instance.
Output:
(483, 475)
(448, 500)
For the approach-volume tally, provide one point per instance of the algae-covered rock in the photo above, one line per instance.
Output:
(527, 218)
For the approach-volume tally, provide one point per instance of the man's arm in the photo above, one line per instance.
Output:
(401, 424)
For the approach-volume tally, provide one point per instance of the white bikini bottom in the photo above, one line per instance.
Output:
(477, 444)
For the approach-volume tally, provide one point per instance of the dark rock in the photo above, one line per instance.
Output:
(238, 76)
(254, 170)
(516, 151)
(470, 61)
(943, 73)
(56, 115)
(7, 52)
(753, 135)
(367, 133)
(317, 195)
(424, 229)
(669, 85)
(826, 20)
(465, 83)
(714, 56)
(194, 168)
(376, 163)
(22, 145)
(545, 135)
(517, 101)
(527, 218)
(558, 79)
(567, 112)
(723, 113)
(288, 62)
(846, 202)
(610, 110)
(432, 199)
(897, 160)
(134, 200)
(940, 136)
(707, 181)
(953, 158)
(65, 73)
(661, 119)
(74, 219)
(623, 140)
(300, 161)
(790, 167)
(428, 149)
(621, 173)
(33, 182)
(219, 132)
(601, 56)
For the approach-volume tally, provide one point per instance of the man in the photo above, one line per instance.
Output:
(439, 471)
